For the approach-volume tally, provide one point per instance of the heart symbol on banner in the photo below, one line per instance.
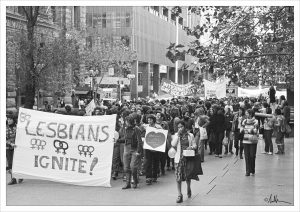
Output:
(154, 139)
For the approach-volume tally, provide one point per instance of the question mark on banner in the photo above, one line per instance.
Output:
(95, 161)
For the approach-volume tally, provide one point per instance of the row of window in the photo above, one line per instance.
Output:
(91, 41)
(108, 20)
(155, 10)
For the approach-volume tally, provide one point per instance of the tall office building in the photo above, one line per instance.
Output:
(148, 30)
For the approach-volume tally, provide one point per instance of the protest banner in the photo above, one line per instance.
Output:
(242, 92)
(231, 91)
(215, 90)
(155, 139)
(69, 149)
(174, 89)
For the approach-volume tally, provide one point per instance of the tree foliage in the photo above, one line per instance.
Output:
(245, 42)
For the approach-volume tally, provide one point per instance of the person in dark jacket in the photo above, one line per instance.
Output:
(132, 152)
(272, 97)
(217, 123)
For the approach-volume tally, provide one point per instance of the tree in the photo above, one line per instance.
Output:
(244, 43)
(104, 53)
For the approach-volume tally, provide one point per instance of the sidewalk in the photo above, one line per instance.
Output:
(223, 183)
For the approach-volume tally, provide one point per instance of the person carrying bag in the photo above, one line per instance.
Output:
(184, 165)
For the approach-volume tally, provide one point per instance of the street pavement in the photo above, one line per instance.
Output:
(223, 184)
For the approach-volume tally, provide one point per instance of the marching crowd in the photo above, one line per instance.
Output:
(221, 126)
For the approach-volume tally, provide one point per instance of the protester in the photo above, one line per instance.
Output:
(280, 130)
(203, 122)
(238, 134)
(228, 127)
(272, 98)
(250, 139)
(182, 141)
(268, 131)
(152, 157)
(10, 145)
(132, 152)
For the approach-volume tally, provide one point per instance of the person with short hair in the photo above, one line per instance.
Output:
(268, 131)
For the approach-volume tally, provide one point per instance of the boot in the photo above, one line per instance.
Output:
(127, 184)
(12, 182)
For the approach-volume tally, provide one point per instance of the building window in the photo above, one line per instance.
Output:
(127, 19)
(140, 78)
(173, 19)
(151, 78)
(165, 14)
(77, 17)
(53, 11)
(104, 20)
(118, 21)
(180, 20)
(89, 20)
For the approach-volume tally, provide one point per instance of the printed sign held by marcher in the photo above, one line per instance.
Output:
(155, 139)
(70, 149)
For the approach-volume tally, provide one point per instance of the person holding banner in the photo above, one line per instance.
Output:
(132, 152)
(182, 140)
(10, 145)
(152, 157)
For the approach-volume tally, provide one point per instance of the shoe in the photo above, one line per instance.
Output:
(241, 157)
(225, 153)
(252, 174)
(220, 156)
(270, 153)
(12, 182)
(216, 155)
(126, 186)
(189, 193)
(163, 172)
(134, 185)
(277, 153)
(168, 168)
(148, 181)
(202, 161)
(247, 174)
(263, 152)
(236, 152)
(154, 180)
(179, 199)
(20, 180)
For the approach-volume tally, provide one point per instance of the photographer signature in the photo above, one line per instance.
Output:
(274, 199)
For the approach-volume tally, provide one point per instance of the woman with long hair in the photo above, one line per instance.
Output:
(182, 140)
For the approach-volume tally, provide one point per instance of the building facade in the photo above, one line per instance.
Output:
(148, 31)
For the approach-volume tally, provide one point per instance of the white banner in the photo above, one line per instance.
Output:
(215, 90)
(90, 108)
(252, 92)
(155, 139)
(70, 149)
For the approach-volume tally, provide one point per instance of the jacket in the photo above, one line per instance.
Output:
(175, 143)
(133, 137)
